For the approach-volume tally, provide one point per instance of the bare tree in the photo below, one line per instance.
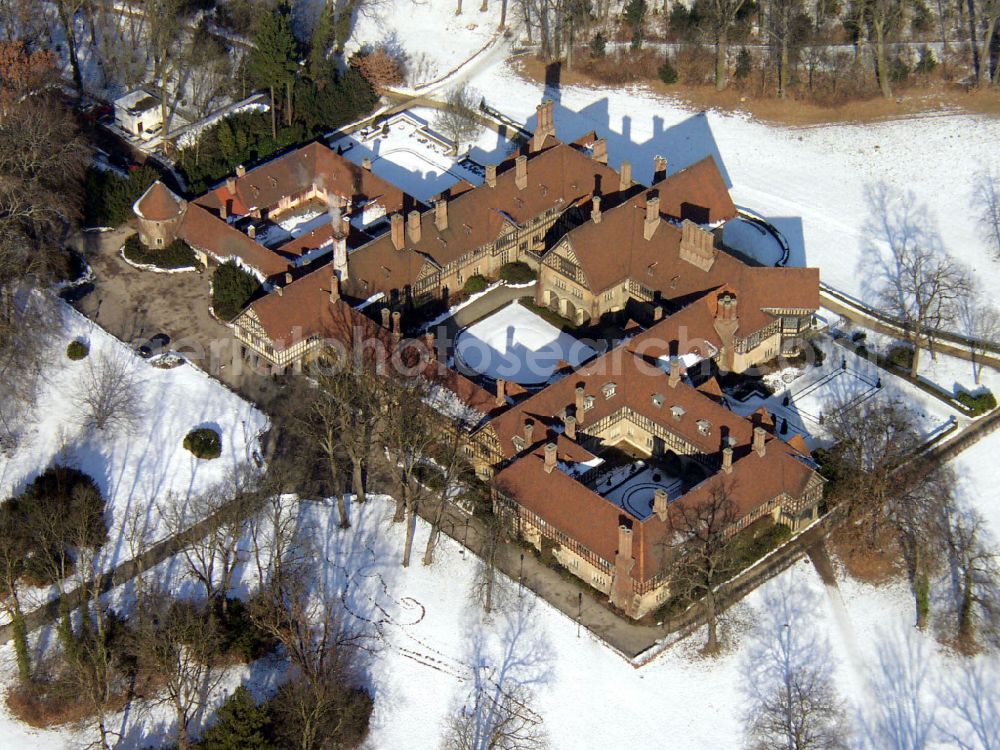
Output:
(176, 646)
(920, 284)
(972, 699)
(13, 548)
(977, 578)
(698, 543)
(780, 28)
(495, 719)
(721, 17)
(487, 582)
(793, 703)
(109, 393)
(457, 120)
(986, 204)
(455, 478)
(883, 19)
(980, 321)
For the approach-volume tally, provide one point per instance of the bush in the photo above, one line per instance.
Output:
(667, 73)
(232, 289)
(978, 403)
(204, 442)
(241, 639)
(108, 197)
(753, 543)
(744, 65)
(77, 350)
(901, 356)
(517, 273)
(474, 284)
(178, 254)
(240, 724)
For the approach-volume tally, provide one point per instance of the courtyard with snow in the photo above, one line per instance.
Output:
(517, 345)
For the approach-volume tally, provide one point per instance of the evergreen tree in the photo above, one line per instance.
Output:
(273, 61)
(240, 725)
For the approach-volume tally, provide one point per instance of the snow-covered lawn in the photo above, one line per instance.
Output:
(517, 345)
(142, 468)
(634, 487)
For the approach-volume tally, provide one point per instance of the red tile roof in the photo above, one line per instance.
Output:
(158, 203)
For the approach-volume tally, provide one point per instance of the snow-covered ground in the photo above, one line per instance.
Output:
(634, 487)
(138, 471)
(519, 346)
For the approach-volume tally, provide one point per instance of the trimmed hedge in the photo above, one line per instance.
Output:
(978, 403)
(204, 442)
(77, 350)
(474, 284)
(178, 254)
(517, 273)
(232, 289)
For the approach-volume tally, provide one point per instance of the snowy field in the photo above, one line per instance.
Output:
(143, 469)
(517, 345)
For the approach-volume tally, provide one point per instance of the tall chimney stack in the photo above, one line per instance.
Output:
(625, 176)
(501, 392)
(521, 172)
(367, 163)
(659, 168)
(431, 346)
(491, 175)
(240, 170)
(386, 314)
(441, 214)
(550, 457)
(595, 211)
(570, 424)
(600, 151)
(396, 230)
(334, 288)
(624, 541)
(579, 404)
(660, 503)
(529, 429)
(727, 460)
(397, 334)
(675, 372)
(652, 222)
(758, 441)
(413, 226)
(545, 125)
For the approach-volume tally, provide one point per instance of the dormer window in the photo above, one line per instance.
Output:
(608, 389)
(657, 400)
(677, 412)
(704, 426)
(588, 403)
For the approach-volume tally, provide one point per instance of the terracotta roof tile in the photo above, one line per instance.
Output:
(159, 203)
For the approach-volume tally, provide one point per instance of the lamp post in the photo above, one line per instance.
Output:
(579, 611)
(465, 534)
(520, 577)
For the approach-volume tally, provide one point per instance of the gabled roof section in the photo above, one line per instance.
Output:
(158, 203)
(698, 193)
(205, 231)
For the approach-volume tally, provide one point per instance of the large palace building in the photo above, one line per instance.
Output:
(590, 464)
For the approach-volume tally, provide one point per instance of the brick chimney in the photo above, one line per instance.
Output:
(727, 460)
(570, 424)
(491, 175)
(652, 222)
(521, 172)
(340, 254)
(441, 214)
(529, 429)
(223, 213)
(697, 245)
(545, 125)
(288, 278)
(334, 289)
(550, 457)
(660, 503)
(758, 441)
(625, 176)
(659, 168)
(595, 211)
(231, 185)
(251, 231)
(676, 371)
(600, 152)
(431, 346)
(367, 163)
(657, 313)
(240, 170)
(501, 391)
(396, 225)
(385, 317)
(624, 541)
(579, 404)
(413, 226)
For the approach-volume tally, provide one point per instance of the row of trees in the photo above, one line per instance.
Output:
(790, 33)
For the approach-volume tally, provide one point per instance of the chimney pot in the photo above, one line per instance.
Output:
(529, 428)
(396, 228)
(675, 372)
(595, 212)
(659, 168)
(288, 277)
(385, 317)
(251, 231)
(625, 541)
(652, 215)
(501, 392)
(240, 170)
(579, 404)
(727, 460)
(367, 163)
(758, 441)
(521, 172)
(491, 175)
(658, 313)
(660, 503)
(231, 185)
(550, 457)
(334, 289)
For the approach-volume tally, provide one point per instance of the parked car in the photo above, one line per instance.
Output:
(155, 345)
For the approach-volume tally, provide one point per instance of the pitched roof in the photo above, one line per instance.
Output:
(205, 231)
(296, 172)
(557, 176)
(158, 203)
(698, 193)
